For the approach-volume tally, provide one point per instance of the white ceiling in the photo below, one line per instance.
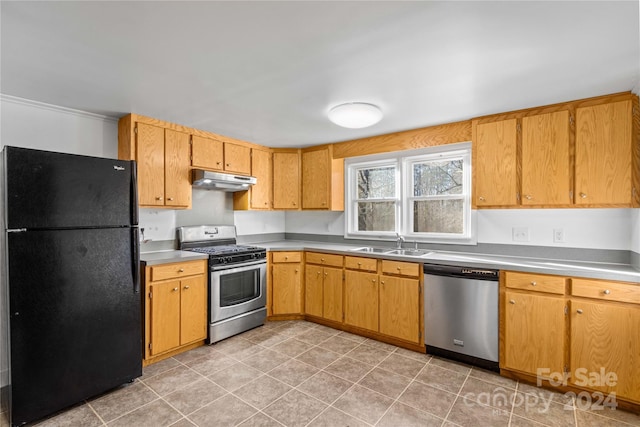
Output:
(268, 72)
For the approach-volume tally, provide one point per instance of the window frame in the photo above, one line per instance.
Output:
(403, 162)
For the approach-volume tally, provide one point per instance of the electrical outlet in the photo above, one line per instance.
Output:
(520, 234)
(558, 235)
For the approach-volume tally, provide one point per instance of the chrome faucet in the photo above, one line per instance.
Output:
(399, 241)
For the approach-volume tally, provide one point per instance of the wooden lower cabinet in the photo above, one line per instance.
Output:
(534, 333)
(361, 300)
(175, 307)
(588, 330)
(323, 292)
(605, 340)
(400, 307)
(286, 283)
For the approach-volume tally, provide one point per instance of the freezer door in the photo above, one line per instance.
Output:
(56, 190)
(75, 317)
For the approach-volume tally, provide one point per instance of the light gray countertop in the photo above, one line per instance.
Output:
(621, 272)
(169, 256)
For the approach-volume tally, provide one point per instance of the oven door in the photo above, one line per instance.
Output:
(237, 290)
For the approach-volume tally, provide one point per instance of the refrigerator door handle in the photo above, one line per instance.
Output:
(134, 193)
(135, 252)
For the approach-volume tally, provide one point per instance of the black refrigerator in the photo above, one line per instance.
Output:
(73, 280)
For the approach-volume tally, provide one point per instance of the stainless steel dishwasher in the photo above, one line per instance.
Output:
(461, 314)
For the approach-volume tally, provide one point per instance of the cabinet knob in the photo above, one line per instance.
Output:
(296, 270)
(228, 164)
(286, 258)
(528, 197)
(583, 195)
(186, 287)
(359, 264)
(326, 274)
(175, 289)
(382, 282)
(373, 280)
(482, 199)
(579, 311)
(324, 203)
(159, 198)
(294, 203)
(266, 203)
(399, 269)
(181, 270)
(322, 259)
(217, 163)
(512, 301)
(533, 283)
(170, 199)
(606, 292)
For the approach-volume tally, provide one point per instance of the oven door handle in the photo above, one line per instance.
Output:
(222, 267)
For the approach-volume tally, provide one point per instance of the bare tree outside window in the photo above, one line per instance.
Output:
(374, 186)
(437, 208)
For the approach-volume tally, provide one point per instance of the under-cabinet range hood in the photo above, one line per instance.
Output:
(221, 181)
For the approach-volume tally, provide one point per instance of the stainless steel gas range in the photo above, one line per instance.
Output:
(237, 279)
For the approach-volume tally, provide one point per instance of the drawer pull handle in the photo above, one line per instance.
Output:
(359, 264)
(512, 301)
(399, 269)
(606, 292)
(186, 287)
(579, 311)
(286, 258)
(175, 289)
(181, 270)
(533, 283)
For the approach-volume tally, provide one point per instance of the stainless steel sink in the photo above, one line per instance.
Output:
(409, 252)
(370, 249)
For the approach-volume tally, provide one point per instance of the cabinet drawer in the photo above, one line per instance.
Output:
(182, 269)
(278, 257)
(605, 290)
(358, 263)
(402, 268)
(535, 282)
(324, 259)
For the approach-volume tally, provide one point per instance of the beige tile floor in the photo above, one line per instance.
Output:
(298, 373)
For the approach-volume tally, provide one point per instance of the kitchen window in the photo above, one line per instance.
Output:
(424, 195)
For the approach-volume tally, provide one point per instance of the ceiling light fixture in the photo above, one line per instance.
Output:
(355, 115)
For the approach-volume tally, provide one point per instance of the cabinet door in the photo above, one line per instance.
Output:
(261, 169)
(207, 153)
(494, 164)
(237, 158)
(361, 300)
(534, 333)
(604, 154)
(150, 160)
(315, 179)
(165, 316)
(286, 288)
(176, 169)
(545, 159)
(332, 294)
(313, 279)
(400, 308)
(286, 181)
(606, 335)
(193, 309)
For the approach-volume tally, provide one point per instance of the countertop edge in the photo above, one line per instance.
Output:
(171, 256)
(618, 272)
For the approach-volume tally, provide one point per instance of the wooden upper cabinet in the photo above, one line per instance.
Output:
(546, 165)
(150, 159)
(286, 179)
(261, 169)
(163, 167)
(322, 180)
(237, 158)
(494, 163)
(604, 153)
(207, 153)
(177, 185)
(211, 154)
